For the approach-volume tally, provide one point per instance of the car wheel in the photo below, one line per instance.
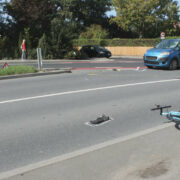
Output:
(173, 65)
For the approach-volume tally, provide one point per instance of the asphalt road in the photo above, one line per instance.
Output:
(44, 117)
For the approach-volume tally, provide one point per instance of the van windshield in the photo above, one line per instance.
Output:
(167, 44)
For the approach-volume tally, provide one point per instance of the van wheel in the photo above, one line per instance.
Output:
(173, 65)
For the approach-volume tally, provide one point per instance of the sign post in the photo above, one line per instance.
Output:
(39, 56)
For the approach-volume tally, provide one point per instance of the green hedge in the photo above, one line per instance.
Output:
(119, 42)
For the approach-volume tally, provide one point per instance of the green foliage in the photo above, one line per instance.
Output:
(43, 44)
(20, 42)
(12, 70)
(147, 18)
(34, 18)
(94, 32)
(73, 54)
(52, 24)
(3, 25)
(31, 14)
(60, 38)
(27, 38)
(32, 54)
(88, 12)
(59, 41)
(6, 48)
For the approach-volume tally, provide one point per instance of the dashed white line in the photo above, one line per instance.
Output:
(86, 90)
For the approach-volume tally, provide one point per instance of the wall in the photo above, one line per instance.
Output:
(128, 51)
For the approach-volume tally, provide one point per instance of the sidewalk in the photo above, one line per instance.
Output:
(57, 60)
(152, 154)
(53, 71)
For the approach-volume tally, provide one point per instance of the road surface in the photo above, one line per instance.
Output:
(45, 117)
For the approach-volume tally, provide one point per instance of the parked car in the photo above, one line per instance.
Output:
(166, 54)
(95, 51)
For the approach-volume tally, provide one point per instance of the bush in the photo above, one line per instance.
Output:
(32, 54)
(72, 54)
(76, 54)
(118, 42)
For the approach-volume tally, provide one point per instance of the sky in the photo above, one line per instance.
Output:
(111, 13)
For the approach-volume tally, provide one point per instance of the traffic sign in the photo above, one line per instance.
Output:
(163, 35)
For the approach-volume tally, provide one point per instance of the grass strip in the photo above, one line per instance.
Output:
(14, 70)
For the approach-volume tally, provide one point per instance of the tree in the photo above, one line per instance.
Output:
(169, 17)
(114, 31)
(2, 19)
(31, 14)
(40, 17)
(1, 15)
(37, 15)
(58, 41)
(88, 12)
(146, 17)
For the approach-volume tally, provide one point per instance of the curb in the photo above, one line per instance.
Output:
(50, 72)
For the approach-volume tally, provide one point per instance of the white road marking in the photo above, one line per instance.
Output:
(58, 159)
(87, 90)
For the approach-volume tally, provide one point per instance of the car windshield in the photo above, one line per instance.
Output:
(167, 44)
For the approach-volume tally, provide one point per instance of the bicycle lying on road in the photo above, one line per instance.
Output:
(172, 116)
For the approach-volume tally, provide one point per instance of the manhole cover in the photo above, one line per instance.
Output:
(99, 121)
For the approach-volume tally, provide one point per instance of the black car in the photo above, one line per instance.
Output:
(95, 51)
